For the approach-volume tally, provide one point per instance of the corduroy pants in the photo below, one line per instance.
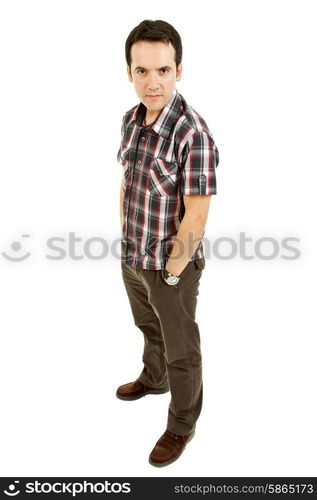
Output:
(172, 358)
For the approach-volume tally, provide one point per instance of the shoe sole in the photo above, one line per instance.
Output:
(155, 464)
(133, 398)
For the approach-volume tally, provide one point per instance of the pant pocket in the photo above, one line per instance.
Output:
(200, 263)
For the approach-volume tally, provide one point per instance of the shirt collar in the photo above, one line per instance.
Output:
(169, 114)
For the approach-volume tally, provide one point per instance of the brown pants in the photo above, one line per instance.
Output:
(172, 357)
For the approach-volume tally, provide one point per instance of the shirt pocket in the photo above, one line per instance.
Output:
(163, 177)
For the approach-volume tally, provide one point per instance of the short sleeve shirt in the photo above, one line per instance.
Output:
(174, 156)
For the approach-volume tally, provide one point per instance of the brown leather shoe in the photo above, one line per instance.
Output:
(169, 448)
(135, 390)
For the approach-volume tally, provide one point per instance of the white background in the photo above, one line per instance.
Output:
(67, 333)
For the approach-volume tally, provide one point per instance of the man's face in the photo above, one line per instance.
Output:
(153, 73)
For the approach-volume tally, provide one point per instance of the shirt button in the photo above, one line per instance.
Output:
(139, 162)
(143, 138)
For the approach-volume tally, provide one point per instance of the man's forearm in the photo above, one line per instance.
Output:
(188, 237)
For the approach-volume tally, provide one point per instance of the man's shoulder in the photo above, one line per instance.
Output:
(128, 114)
(191, 121)
(126, 118)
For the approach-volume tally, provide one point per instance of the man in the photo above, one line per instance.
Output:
(169, 159)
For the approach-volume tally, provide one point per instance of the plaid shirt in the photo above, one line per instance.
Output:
(174, 156)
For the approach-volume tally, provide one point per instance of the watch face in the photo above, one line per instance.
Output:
(172, 280)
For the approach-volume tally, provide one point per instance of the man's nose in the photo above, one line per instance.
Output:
(152, 81)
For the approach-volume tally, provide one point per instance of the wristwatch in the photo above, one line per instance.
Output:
(169, 278)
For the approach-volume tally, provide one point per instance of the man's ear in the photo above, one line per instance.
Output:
(129, 73)
(179, 72)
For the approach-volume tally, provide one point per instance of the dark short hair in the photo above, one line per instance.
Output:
(154, 31)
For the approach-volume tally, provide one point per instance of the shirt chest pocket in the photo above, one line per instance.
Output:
(163, 177)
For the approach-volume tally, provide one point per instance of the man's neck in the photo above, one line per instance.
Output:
(150, 118)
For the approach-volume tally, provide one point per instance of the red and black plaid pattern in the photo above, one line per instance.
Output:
(174, 156)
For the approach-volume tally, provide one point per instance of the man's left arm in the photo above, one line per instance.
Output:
(197, 184)
(190, 232)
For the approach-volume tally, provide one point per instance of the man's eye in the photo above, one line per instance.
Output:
(164, 70)
(140, 71)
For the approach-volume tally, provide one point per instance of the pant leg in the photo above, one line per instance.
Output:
(175, 307)
(154, 372)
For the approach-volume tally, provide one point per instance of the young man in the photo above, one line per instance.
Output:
(169, 159)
